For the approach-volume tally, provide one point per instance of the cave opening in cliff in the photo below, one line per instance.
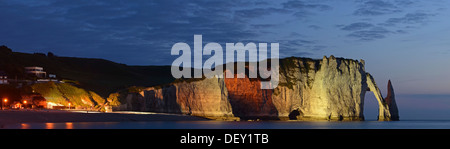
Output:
(370, 107)
(295, 115)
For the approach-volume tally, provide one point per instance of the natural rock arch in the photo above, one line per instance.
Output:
(387, 107)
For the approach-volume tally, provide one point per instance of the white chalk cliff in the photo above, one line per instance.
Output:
(323, 89)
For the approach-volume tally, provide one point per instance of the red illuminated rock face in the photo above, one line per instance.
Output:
(248, 100)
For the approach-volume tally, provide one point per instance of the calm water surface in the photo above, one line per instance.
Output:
(239, 125)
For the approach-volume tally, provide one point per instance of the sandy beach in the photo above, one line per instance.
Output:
(14, 117)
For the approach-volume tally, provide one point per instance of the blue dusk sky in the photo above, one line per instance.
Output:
(406, 41)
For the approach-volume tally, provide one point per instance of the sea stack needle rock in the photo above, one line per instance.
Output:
(309, 89)
(390, 101)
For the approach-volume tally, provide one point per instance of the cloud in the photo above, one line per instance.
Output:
(357, 26)
(409, 18)
(364, 31)
(371, 34)
(399, 25)
(134, 33)
(303, 9)
(117, 30)
(384, 23)
(304, 5)
(380, 7)
(258, 12)
(401, 31)
(314, 27)
(260, 26)
(299, 47)
(298, 8)
(294, 35)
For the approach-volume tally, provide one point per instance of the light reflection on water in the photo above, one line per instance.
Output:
(25, 126)
(239, 125)
(69, 125)
(49, 125)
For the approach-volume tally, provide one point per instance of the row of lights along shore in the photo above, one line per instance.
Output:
(5, 100)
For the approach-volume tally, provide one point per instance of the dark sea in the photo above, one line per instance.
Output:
(416, 112)
(405, 124)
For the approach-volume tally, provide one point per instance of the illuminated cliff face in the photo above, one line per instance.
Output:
(248, 100)
(325, 89)
(206, 98)
(321, 89)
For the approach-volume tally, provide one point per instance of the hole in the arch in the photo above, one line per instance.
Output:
(370, 107)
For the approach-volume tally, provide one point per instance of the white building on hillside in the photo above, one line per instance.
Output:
(37, 71)
(3, 78)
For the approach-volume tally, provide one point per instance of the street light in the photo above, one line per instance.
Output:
(4, 100)
(25, 104)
